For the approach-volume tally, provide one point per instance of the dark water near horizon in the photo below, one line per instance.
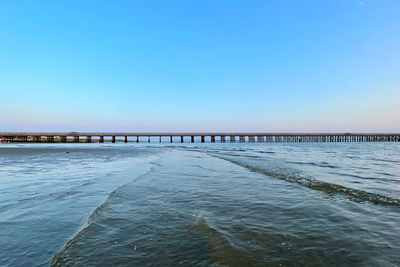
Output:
(272, 204)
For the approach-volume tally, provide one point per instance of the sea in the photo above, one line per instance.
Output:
(222, 204)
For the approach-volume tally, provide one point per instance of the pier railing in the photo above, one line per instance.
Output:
(212, 137)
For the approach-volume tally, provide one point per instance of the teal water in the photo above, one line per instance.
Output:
(200, 205)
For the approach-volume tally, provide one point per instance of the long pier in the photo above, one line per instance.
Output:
(101, 137)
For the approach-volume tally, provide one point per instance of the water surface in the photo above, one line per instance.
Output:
(200, 204)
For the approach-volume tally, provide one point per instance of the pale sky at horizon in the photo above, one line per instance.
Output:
(271, 66)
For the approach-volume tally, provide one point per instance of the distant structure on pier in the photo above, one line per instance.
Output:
(89, 137)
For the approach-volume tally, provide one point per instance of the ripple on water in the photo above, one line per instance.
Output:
(180, 213)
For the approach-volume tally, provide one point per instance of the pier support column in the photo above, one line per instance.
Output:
(251, 139)
(181, 139)
(137, 139)
(212, 139)
(223, 139)
(203, 139)
(242, 139)
(232, 139)
(126, 139)
(160, 139)
(148, 139)
(50, 139)
(76, 139)
(37, 139)
(170, 139)
(101, 140)
(88, 139)
(192, 139)
(63, 139)
(113, 139)
(260, 138)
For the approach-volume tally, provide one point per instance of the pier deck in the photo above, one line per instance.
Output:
(87, 137)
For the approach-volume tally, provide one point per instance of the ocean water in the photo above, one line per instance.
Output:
(262, 204)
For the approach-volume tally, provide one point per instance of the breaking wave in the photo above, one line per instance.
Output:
(355, 195)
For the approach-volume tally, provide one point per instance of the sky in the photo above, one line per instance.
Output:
(264, 66)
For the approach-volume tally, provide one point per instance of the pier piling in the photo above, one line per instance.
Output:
(260, 138)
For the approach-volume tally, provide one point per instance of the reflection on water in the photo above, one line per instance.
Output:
(218, 205)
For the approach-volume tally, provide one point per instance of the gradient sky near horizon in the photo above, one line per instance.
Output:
(307, 66)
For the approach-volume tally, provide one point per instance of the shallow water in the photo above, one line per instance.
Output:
(200, 204)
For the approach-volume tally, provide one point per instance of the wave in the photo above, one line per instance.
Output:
(317, 164)
(58, 258)
(266, 152)
(329, 188)
(224, 254)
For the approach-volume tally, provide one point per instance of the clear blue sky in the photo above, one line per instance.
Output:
(312, 65)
